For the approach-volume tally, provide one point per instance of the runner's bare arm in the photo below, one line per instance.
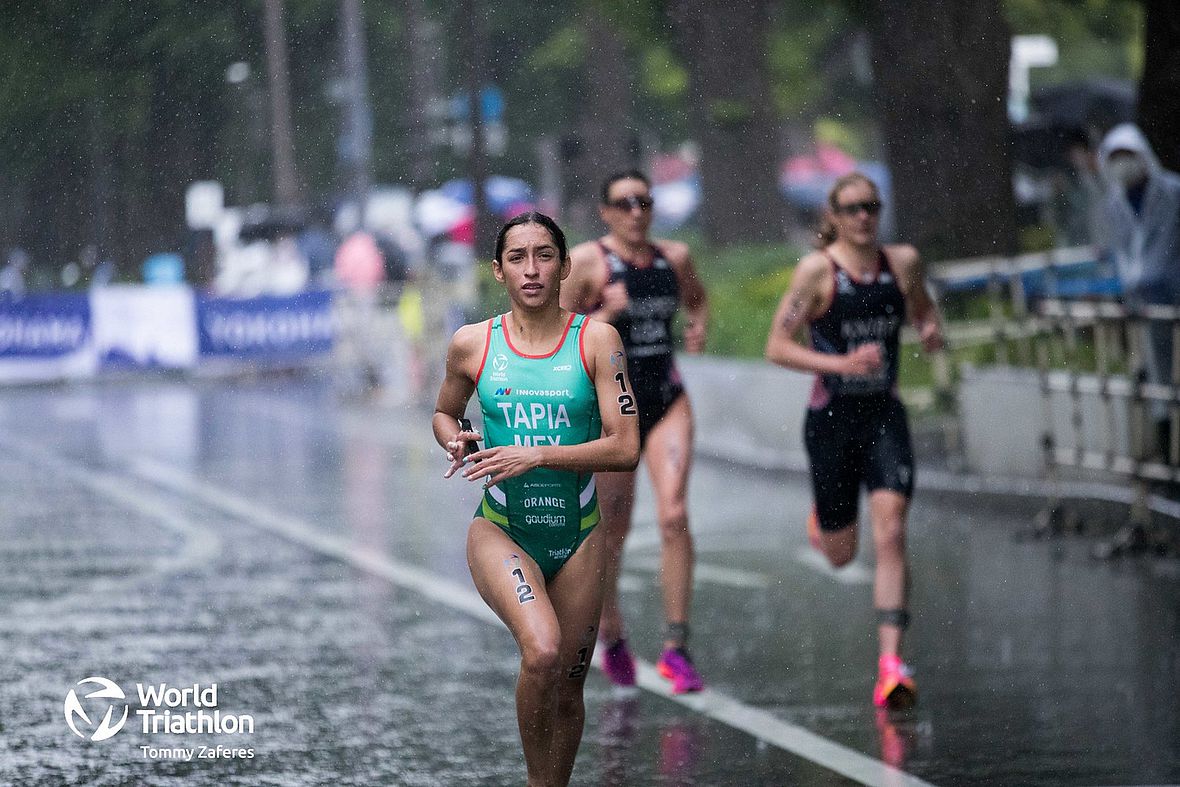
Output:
(692, 294)
(463, 357)
(606, 362)
(582, 289)
(923, 312)
(803, 301)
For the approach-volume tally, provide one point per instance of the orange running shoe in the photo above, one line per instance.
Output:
(813, 529)
(895, 687)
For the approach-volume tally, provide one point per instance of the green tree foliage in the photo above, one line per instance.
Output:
(809, 58)
(109, 109)
(1093, 36)
(104, 101)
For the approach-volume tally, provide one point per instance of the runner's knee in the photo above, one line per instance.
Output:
(539, 657)
(570, 704)
(674, 521)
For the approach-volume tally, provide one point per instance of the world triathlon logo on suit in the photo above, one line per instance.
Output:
(500, 368)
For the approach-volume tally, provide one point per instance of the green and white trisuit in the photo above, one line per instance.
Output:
(540, 400)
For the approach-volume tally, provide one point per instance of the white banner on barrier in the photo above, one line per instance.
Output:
(144, 327)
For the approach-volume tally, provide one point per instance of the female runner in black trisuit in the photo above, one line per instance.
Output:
(854, 295)
(638, 284)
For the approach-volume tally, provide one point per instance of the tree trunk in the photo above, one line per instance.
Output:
(425, 121)
(724, 44)
(102, 179)
(475, 74)
(286, 180)
(606, 127)
(358, 112)
(941, 79)
(1159, 89)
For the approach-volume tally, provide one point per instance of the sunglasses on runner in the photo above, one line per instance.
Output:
(630, 203)
(873, 207)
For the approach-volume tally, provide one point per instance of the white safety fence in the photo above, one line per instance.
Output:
(1111, 403)
(1078, 392)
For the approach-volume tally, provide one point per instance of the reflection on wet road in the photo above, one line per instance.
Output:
(306, 557)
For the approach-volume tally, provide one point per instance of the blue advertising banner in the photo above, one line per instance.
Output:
(44, 326)
(271, 326)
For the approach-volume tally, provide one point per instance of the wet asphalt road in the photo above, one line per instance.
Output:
(307, 558)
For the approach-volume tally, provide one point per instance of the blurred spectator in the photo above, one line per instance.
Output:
(359, 263)
(163, 268)
(243, 270)
(12, 275)
(1143, 211)
(360, 271)
(393, 258)
(70, 275)
(200, 258)
(97, 272)
(317, 243)
(1083, 216)
(288, 270)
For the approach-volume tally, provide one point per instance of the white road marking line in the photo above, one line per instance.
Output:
(647, 540)
(433, 586)
(852, 574)
(782, 734)
(705, 572)
(200, 545)
(713, 704)
(855, 573)
(630, 583)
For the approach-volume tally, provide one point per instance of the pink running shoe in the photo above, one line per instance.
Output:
(895, 687)
(619, 664)
(676, 666)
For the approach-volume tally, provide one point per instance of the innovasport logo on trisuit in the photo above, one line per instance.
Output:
(96, 709)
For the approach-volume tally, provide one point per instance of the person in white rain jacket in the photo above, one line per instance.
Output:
(1143, 211)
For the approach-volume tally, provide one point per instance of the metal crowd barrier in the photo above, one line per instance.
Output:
(1010, 286)
(1056, 311)
(1105, 361)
